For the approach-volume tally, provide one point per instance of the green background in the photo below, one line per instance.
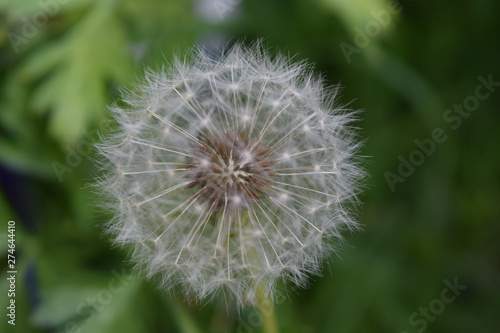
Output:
(403, 68)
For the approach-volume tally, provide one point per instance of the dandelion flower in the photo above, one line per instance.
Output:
(230, 174)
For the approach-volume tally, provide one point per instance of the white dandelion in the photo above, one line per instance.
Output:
(228, 175)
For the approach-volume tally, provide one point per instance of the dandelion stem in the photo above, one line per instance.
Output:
(266, 307)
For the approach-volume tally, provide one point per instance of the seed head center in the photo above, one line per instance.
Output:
(229, 171)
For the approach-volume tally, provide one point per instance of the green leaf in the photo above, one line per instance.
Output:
(355, 13)
(90, 56)
(19, 145)
(62, 304)
(91, 307)
(119, 315)
(29, 7)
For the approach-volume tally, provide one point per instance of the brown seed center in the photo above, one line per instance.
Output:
(229, 171)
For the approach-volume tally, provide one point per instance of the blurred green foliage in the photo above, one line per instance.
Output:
(59, 71)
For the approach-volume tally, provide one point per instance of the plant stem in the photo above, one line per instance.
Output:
(268, 312)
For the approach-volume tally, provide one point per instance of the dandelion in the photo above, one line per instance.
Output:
(230, 175)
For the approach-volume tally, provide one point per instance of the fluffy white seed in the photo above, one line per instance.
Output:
(224, 175)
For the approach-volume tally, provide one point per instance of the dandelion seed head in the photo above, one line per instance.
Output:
(227, 174)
